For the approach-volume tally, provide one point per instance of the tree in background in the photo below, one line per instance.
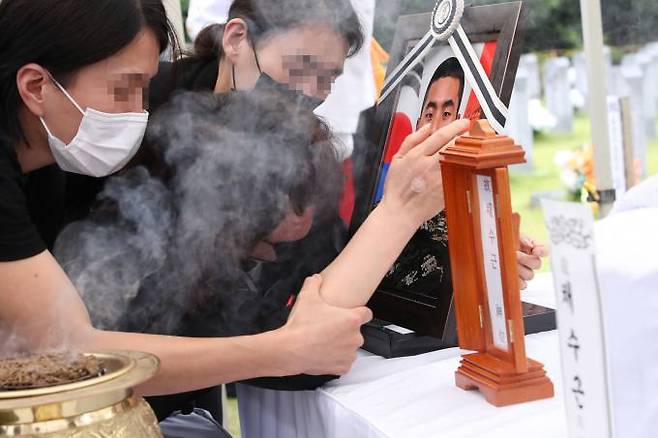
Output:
(551, 24)
(629, 22)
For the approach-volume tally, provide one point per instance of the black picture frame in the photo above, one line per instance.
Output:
(502, 23)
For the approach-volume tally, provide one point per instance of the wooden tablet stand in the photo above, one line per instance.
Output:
(483, 235)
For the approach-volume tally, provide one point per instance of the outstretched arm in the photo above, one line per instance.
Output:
(41, 310)
(412, 195)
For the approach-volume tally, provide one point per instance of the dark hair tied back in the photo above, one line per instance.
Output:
(208, 44)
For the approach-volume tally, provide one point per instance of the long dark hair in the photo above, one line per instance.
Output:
(66, 35)
(265, 17)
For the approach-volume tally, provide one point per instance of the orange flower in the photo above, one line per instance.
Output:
(588, 163)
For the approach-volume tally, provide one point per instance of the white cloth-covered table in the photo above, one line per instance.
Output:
(417, 397)
(408, 397)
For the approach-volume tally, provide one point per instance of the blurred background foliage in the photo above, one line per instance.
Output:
(550, 25)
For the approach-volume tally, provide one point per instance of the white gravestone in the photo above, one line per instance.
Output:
(618, 86)
(580, 68)
(607, 58)
(518, 121)
(616, 145)
(580, 73)
(652, 50)
(648, 101)
(634, 80)
(530, 63)
(557, 93)
(579, 319)
(651, 76)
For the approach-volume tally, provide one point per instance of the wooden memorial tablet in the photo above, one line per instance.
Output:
(483, 233)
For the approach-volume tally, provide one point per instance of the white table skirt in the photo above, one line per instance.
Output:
(407, 397)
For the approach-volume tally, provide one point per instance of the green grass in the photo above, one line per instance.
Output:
(232, 423)
(545, 175)
(652, 160)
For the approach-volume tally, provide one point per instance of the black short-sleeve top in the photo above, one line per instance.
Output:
(19, 237)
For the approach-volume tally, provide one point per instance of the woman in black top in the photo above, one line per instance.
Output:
(303, 48)
(72, 76)
(296, 48)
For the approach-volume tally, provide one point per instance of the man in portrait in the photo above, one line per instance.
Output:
(443, 96)
(424, 266)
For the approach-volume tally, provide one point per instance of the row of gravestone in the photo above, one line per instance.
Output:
(635, 79)
(562, 84)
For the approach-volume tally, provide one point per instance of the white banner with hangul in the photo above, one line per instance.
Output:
(579, 319)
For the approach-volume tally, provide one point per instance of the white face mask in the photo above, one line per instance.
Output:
(103, 144)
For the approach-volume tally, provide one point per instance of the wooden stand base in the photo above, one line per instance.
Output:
(500, 384)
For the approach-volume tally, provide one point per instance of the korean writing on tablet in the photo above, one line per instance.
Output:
(573, 344)
(578, 392)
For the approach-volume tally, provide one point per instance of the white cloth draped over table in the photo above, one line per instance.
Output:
(408, 397)
(412, 397)
(416, 397)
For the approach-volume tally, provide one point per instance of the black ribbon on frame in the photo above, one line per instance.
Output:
(445, 26)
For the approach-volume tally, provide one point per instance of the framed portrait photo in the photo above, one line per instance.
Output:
(417, 291)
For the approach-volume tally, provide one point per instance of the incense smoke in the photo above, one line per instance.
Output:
(161, 249)
(176, 236)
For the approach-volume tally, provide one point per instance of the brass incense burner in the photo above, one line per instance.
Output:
(99, 407)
